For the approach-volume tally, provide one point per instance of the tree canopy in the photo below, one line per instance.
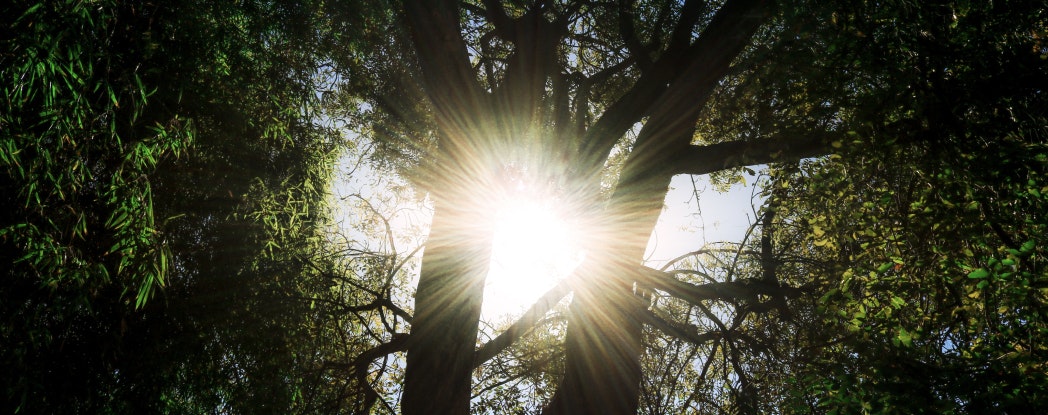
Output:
(159, 166)
(170, 242)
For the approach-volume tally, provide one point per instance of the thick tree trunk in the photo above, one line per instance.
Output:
(602, 344)
(456, 258)
(447, 314)
(604, 339)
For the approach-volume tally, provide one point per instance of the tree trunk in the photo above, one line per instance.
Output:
(604, 338)
(603, 342)
(447, 314)
(603, 345)
(456, 258)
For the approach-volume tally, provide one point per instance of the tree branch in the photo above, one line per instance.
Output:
(379, 303)
(689, 15)
(747, 290)
(721, 156)
(448, 77)
(522, 325)
(361, 363)
(498, 17)
(678, 81)
(628, 33)
(684, 332)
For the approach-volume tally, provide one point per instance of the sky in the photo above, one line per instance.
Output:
(716, 217)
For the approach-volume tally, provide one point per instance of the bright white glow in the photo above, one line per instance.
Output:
(534, 248)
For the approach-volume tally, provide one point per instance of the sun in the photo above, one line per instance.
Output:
(534, 247)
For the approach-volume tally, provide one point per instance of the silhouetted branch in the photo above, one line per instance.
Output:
(721, 156)
(684, 332)
(360, 366)
(746, 290)
(522, 325)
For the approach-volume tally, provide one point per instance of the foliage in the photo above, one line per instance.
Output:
(168, 242)
(920, 241)
(926, 123)
(81, 135)
(154, 157)
(931, 218)
(930, 284)
(79, 139)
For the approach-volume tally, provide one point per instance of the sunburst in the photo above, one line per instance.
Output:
(535, 246)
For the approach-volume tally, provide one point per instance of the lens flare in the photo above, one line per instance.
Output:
(534, 247)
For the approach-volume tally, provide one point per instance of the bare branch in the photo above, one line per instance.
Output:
(360, 367)
(703, 251)
(721, 156)
(746, 290)
(522, 325)
(678, 81)
(684, 332)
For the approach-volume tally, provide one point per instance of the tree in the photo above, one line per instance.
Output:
(154, 157)
(606, 101)
(164, 170)
(900, 225)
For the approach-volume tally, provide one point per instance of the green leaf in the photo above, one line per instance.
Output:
(979, 273)
(825, 299)
(905, 337)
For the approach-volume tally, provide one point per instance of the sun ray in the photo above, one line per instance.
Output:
(534, 247)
